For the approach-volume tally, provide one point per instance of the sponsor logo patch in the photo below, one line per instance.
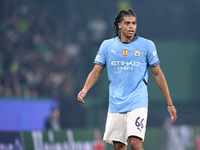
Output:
(154, 53)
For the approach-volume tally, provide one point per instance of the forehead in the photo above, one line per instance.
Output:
(129, 18)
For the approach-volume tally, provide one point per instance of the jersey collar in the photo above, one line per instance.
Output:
(135, 38)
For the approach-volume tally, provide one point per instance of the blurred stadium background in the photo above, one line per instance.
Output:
(47, 49)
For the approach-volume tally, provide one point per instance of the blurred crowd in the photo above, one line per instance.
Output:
(46, 46)
(42, 49)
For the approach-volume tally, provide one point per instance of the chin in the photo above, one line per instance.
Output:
(129, 37)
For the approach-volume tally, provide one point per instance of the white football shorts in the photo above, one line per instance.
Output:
(119, 126)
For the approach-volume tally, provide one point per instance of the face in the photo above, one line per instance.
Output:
(55, 113)
(127, 28)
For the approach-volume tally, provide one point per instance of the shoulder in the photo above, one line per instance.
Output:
(111, 40)
(149, 44)
(145, 40)
(108, 43)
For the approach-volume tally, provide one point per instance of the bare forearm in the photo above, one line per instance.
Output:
(91, 80)
(162, 84)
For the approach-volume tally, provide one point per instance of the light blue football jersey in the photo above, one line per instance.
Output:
(127, 67)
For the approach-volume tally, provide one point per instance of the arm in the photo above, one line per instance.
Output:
(91, 80)
(162, 84)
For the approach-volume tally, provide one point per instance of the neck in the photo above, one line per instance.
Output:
(126, 39)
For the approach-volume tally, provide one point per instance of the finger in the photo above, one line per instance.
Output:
(174, 117)
(171, 116)
(81, 95)
(81, 100)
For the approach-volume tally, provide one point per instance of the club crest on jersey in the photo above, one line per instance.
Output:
(125, 52)
(137, 52)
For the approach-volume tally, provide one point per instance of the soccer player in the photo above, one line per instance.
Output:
(127, 57)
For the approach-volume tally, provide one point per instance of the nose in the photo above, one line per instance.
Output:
(131, 26)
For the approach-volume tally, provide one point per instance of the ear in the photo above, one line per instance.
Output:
(119, 25)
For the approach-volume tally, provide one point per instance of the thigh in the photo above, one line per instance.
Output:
(136, 123)
(115, 128)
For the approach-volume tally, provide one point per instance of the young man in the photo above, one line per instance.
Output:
(127, 57)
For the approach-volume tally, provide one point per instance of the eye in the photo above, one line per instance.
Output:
(134, 23)
(127, 23)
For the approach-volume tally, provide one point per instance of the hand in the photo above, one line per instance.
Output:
(81, 95)
(172, 112)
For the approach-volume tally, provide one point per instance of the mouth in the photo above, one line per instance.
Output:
(131, 32)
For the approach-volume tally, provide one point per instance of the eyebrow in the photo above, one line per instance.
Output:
(130, 22)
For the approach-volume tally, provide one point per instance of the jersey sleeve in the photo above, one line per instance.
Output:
(100, 58)
(152, 56)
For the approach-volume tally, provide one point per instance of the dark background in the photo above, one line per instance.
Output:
(47, 49)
